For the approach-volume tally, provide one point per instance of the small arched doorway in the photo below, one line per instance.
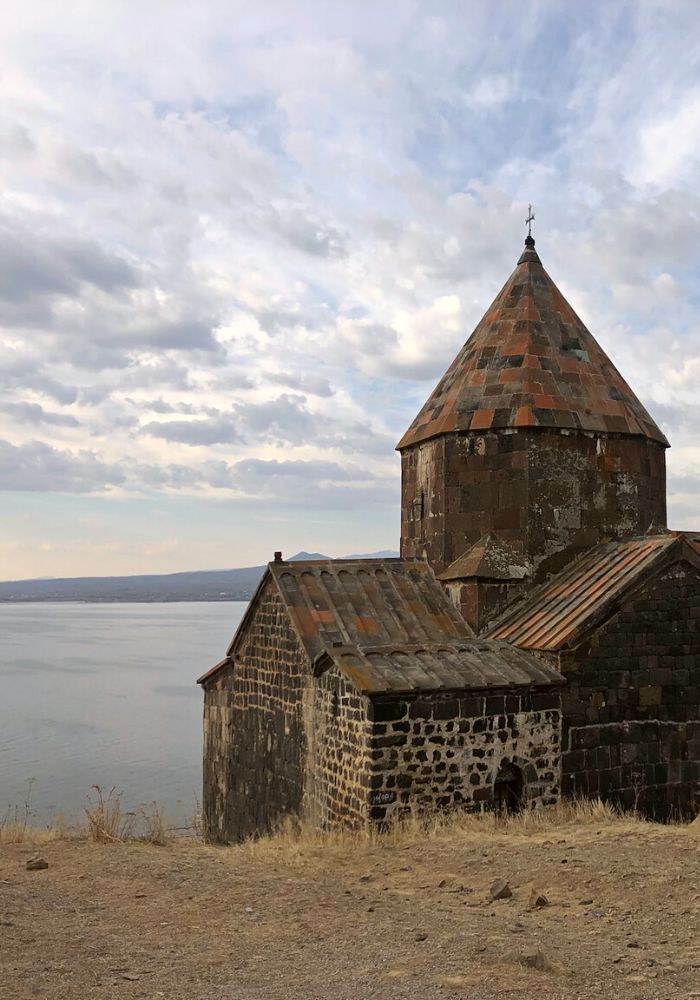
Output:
(508, 789)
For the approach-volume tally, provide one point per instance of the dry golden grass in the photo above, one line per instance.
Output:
(297, 842)
(106, 822)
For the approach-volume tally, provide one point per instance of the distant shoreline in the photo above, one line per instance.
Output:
(201, 586)
(125, 600)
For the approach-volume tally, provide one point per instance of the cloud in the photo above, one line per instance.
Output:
(266, 246)
(305, 231)
(315, 385)
(34, 413)
(216, 430)
(37, 467)
(36, 263)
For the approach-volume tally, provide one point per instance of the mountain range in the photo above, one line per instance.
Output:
(202, 585)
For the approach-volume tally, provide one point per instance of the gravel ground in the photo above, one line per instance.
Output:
(348, 921)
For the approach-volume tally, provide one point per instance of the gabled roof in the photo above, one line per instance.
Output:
(455, 666)
(389, 626)
(366, 602)
(561, 611)
(531, 362)
(491, 558)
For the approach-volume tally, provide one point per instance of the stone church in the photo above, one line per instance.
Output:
(538, 637)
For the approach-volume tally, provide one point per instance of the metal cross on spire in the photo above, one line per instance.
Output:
(530, 219)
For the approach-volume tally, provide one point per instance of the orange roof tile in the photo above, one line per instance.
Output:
(558, 613)
(530, 327)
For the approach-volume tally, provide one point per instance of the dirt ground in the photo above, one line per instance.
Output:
(349, 921)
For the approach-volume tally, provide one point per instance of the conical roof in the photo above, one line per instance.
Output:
(531, 362)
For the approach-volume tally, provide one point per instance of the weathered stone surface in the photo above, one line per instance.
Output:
(619, 743)
(452, 752)
(534, 958)
(36, 864)
(500, 889)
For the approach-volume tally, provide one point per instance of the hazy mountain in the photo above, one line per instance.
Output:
(203, 585)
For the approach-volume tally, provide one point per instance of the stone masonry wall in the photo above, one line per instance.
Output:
(631, 706)
(338, 762)
(254, 741)
(443, 751)
(550, 492)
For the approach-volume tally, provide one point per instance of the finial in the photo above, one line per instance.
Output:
(529, 253)
(528, 222)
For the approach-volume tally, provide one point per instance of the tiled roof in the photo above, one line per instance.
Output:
(453, 666)
(557, 613)
(491, 558)
(531, 362)
(367, 602)
(389, 626)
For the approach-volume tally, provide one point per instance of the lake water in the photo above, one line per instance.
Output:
(105, 694)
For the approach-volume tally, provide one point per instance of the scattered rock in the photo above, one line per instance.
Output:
(500, 889)
(633, 944)
(249, 909)
(585, 902)
(140, 895)
(534, 959)
(421, 936)
(537, 900)
(365, 878)
(130, 977)
(36, 864)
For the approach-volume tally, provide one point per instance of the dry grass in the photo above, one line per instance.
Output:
(106, 822)
(15, 828)
(297, 842)
(16, 825)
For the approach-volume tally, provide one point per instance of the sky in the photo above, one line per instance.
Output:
(242, 241)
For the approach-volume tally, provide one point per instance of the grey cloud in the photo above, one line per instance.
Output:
(34, 413)
(161, 406)
(356, 437)
(37, 467)
(25, 373)
(36, 263)
(300, 227)
(674, 417)
(185, 334)
(81, 166)
(15, 140)
(315, 385)
(217, 430)
(285, 420)
(257, 483)
(257, 471)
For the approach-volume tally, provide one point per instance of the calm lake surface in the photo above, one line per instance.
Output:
(105, 694)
